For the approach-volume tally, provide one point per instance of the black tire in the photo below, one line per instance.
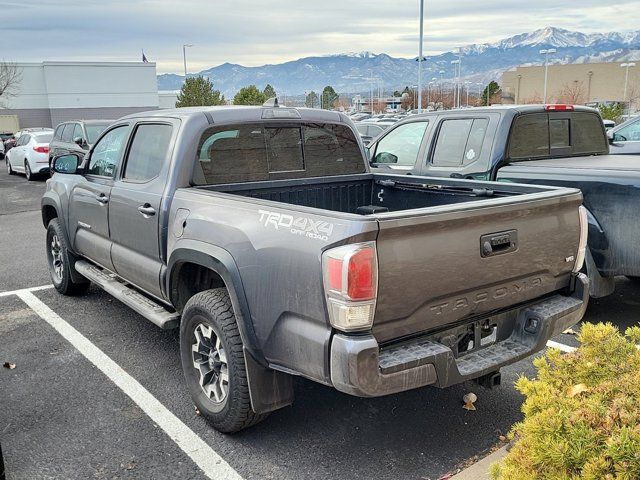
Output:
(9, 169)
(59, 255)
(27, 171)
(634, 279)
(213, 309)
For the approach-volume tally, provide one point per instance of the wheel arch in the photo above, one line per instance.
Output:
(192, 253)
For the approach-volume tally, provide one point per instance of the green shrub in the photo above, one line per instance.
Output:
(581, 413)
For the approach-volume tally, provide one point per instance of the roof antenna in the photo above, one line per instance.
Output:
(272, 102)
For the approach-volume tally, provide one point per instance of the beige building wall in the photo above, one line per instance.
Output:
(575, 83)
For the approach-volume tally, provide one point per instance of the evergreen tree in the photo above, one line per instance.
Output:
(269, 91)
(489, 92)
(329, 97)
(311, 101)
(249, 96)
(197, 92)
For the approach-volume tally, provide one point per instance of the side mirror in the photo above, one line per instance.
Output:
(610, 137)
(385, 157)
(78, 141)
(67, 163)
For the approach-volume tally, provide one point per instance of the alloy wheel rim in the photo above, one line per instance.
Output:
(27, 170)
(210, 360)
(57, 261)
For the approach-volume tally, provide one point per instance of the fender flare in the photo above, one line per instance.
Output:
(598, 244)
(220, 261)
(268, 389)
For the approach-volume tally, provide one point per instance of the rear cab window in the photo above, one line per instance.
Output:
(263, 151)
(543, 135)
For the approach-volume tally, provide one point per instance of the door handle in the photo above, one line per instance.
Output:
(102, 198)
(147, 210)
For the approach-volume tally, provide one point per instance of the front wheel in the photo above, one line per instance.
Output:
(213, 362)
(61, 261)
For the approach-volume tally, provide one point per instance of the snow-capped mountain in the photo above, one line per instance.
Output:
(353, 72)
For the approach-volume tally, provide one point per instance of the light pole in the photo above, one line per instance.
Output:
(420, 56)
(627, 66)
(546, 53)
(415, 93)
(184, 57)
(455, 64)
(466, 84)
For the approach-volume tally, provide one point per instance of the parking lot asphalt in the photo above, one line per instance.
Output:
(62, 417)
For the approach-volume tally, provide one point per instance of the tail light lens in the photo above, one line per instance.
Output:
(41, 149)
(584, 234)
(351, 285)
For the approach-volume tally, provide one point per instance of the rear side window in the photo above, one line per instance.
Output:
(67, 134)
(77, 132)
(459, 142)
(257, 152)
(147, 153)
(58, 133)
(544, 135)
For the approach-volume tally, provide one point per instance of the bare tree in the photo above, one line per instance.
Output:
(572, 93)
(10, 77)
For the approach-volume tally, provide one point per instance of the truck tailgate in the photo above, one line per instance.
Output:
(441, 265)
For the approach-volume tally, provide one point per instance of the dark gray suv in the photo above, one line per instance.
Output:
(76, 136)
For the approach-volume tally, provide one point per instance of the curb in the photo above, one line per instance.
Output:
(480, 470)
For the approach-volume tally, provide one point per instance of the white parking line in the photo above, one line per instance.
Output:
(213, 466)
(561, 346)
(32, 289)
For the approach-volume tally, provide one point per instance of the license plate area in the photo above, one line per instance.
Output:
(471, 337)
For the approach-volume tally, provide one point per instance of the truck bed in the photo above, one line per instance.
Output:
(373, 194)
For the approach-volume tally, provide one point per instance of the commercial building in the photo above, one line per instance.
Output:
(579, 83)
(52, 92)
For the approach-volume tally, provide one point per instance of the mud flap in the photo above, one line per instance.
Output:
(269, 389)
(599, 286)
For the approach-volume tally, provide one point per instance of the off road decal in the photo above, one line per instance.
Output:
(303, 226)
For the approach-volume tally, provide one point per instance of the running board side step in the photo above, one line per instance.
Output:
(146, 307)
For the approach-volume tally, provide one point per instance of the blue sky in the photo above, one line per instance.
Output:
(254, 32)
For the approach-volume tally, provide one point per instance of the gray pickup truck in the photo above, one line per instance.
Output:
(557, 145)
(262, 234)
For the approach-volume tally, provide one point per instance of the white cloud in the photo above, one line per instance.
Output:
(253, 32)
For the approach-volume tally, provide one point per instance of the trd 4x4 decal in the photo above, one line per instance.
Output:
(304, 226)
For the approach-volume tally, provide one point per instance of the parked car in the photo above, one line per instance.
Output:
(1, 149)
(625, 138)
(30, 154)
(263, 235)
(608, 124)
(76, 136)
(368, 131)
(557, 145)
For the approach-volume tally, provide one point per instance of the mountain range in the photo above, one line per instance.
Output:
(357, 72)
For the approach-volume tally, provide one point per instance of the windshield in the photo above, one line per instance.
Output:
(94, 131)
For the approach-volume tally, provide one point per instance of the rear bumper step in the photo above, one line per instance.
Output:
(359, 367)
(146, 307)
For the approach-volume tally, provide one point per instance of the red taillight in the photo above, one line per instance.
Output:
(558, 108)
(361, 283)
(41, 149)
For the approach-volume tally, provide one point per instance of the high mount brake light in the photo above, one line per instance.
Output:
(559, 108)
(351, 284)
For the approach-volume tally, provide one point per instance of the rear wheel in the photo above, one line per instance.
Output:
(9, 169)
(213, 362)
(61, 261)
(27, 171)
